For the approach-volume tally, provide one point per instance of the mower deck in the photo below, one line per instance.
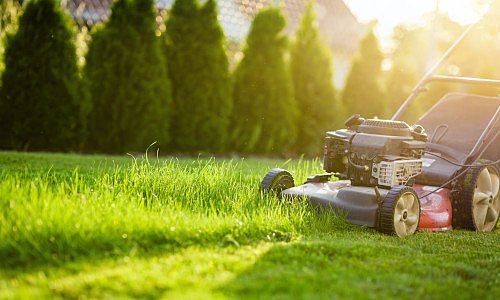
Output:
(361, 204)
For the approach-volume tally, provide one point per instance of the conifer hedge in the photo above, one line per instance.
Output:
(265, 111)
(363, 92)
(127, 77)
(42, 104)
(9, 12)
(198, 68)
(312, 76)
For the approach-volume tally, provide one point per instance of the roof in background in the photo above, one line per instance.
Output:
(339, 27)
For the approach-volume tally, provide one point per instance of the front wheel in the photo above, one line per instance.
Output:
(276, 181)
(400, 212)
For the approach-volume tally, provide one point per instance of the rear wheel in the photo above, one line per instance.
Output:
(400, 212)
(276, 181)
(477, 203)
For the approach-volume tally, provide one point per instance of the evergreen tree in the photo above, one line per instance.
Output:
(42, 105)
(128, 81)
(407, 66)
(409, 62)
(314, 91)
(265, 111)
(9, 12)
(363, 92)
(199, 71)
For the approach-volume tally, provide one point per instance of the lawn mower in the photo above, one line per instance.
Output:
(440, 174)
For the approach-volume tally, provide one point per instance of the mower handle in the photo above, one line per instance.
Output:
(464, 80)
(421, 84)
(490, 14)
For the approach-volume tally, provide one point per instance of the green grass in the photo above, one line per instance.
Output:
(116, 227)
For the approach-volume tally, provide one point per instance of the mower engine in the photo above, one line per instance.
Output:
(375, 152)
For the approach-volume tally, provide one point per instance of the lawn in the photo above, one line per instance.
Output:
(121, 227)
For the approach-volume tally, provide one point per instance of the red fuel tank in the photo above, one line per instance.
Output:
(435, 208)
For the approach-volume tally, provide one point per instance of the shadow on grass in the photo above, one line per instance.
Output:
(175, 269)
(344, 262)
(20, 258)
(35, 250)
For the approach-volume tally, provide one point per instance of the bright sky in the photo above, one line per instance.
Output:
(389, 13)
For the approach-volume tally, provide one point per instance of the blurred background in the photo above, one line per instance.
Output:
(239, 77)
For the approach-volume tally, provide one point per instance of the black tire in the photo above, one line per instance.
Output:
(475, 206)
(400, 212)
(276, 181)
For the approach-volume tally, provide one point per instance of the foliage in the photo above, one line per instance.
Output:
(475, 57)
(113, 227)
(403, 75)
(127, 78)
(9, 12)
(42, 104)
(410, 62)
(408, 65)
(311, 68)
(363, 92)
(265, 111)
(199, 72)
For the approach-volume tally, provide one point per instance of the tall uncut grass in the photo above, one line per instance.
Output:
(50, 216)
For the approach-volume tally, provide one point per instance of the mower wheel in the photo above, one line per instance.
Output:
(276, 181)
(476, 204)
(400, 212)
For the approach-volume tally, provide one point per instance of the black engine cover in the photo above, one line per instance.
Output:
(353, 151)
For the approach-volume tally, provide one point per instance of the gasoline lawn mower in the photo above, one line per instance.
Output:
(440, 174)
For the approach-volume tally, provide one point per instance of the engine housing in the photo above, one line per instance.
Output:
(375, 152)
